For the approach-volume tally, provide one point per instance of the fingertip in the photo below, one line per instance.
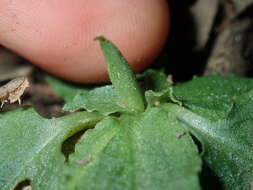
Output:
(58, 36)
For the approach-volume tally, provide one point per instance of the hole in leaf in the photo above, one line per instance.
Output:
(198, 143)
(24, 185)
(68, 146)
(208, 179)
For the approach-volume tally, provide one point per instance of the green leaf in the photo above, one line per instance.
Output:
(31, 147)
(135, 152)
(211, 96)
(155, 80)
(142, 150)
(102, 100)
(154, 99)
(221, 117)
(222, 106)
(129, 95)
(65, 90)
(227, 149)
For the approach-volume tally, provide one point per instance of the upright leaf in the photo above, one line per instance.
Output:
(129, 95)
(103, 99)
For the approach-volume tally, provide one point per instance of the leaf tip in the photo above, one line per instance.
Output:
(100, 38)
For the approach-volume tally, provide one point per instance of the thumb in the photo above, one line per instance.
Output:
(58, 35)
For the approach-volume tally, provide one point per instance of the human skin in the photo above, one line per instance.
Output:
(58, 35)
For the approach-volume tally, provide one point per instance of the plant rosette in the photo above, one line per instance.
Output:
(141, 137)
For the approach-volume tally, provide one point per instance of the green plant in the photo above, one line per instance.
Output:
(142, 136)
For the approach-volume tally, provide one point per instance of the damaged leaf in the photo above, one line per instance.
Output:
(31, 147)
(135, 152)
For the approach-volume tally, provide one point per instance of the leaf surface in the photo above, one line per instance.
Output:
(65, 90)
(155, 80)
(211, 96)
(219, 112)
(128, 93)
(216, 109)
(31, 147)
(135, 152)
(101, 99)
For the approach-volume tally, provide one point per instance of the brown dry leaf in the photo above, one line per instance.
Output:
(240, 5)
(227, 57)
(204, 12)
